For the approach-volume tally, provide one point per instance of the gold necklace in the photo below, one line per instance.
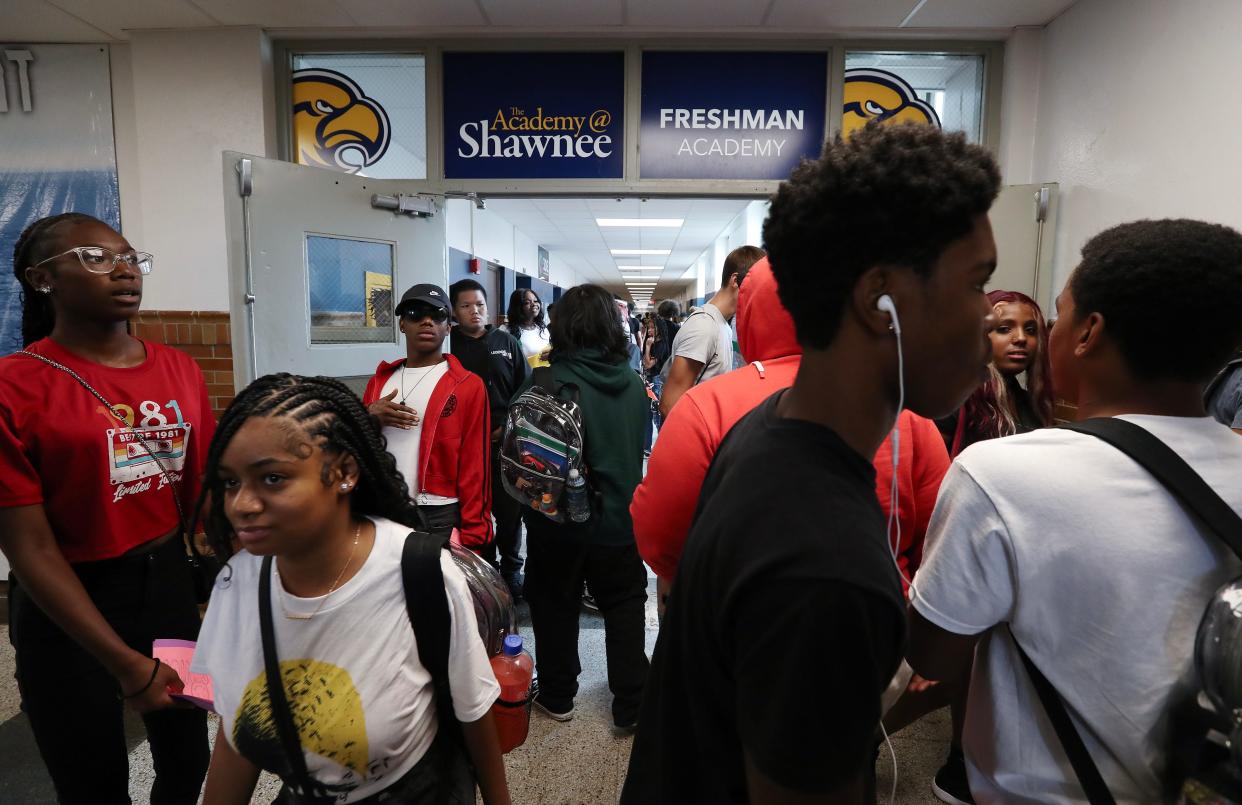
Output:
(332, 589)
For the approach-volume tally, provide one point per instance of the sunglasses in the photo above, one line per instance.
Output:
(416, 314)
(98, 260)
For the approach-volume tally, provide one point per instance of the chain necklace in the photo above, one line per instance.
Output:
(405, 395)
(332, 589)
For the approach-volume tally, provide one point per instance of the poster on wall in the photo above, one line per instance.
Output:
(545, 265)
(361, 113)
(735, 115)
(534, 115)
(56, 150)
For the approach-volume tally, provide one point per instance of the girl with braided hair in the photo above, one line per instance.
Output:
(301, 494)
(95, 470)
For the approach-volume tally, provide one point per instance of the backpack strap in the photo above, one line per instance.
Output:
(426, 602)
(1189, 488)
(309, 789)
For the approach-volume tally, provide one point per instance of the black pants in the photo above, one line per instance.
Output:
(72, 701)
(555, 570)
(508, 513)
(441, 520)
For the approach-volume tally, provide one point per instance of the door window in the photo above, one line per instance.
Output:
(944, 90)
(351, 299)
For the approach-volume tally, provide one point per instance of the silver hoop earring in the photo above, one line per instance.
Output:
(344, 487)
(45, 289)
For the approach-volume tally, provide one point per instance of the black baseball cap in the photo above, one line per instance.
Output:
(426, 293)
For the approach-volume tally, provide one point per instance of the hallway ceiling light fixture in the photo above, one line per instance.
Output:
(661, 252)
(640, 268)
(667, 223)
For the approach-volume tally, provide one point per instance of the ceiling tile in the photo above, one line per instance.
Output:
(278, 13)
(118, 16)
(829, 15)
(412, 13)
(37, 21)
(987, 13)
(717, 14)
(553, 13)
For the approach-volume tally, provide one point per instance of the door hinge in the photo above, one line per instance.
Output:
(248, 299)
(245, 177)
(1042, 198)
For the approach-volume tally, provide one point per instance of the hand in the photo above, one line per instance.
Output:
(393, 414)
(156, 695)
(920, 685)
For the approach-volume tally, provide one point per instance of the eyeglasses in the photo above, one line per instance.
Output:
(436, 314)
(99, 260)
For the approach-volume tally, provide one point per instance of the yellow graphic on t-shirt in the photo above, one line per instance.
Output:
(326, 708)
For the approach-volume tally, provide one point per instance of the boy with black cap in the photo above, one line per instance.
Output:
(435, 417)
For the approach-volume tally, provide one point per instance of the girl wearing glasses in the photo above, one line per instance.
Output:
(91, 504)
(436, 421)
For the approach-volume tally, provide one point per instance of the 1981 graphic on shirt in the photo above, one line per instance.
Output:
(129, 459)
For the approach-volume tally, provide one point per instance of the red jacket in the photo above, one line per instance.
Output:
(664, 503)
(455, 451)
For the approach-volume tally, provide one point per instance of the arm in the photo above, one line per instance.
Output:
(484, 750)
(935, 653)
(474, 477)
(28, 543)
(230, 778)
(681, 377)
(664, 502)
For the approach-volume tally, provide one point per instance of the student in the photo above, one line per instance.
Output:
(88, 520)
(664, 503)
(589, 351)
(429, 394)
(703, 347)
(1001, 406)
(298, 477)
(496, 357)
(524, 321)
(786, 622)
(1102, 577)
(1224, 394)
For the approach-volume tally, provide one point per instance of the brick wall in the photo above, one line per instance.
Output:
(204, 336)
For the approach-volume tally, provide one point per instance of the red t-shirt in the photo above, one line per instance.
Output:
(102, 491)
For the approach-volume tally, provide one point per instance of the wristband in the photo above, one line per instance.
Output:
(143, 689)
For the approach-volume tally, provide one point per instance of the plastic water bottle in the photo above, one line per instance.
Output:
(577, 506)
(514, 669)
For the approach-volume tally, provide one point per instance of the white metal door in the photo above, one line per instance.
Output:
(314, 268)
(1023, 224)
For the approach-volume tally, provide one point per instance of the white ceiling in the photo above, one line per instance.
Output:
(104, 20)
(566, 227)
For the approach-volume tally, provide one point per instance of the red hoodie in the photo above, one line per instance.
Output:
(455, 450)
(665, 502)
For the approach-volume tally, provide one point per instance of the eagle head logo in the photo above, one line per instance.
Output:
(334, 124)
(880, 95)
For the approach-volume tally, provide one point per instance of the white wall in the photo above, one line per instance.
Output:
(1136, 116)
(485, 234)
(1019, 105)
(181, 98)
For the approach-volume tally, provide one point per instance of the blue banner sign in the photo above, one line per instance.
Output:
(534, 115)
(735, 115)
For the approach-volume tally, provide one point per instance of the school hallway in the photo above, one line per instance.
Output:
(578, 762)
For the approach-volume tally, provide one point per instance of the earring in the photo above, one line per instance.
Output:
(45, 289)
(344, 487)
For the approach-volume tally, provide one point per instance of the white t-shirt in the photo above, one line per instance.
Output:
(1103, 578)
(534, 343)
(361, 699)
(413, 386)
(705, 337)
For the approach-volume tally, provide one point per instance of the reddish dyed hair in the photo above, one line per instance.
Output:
(987, 410)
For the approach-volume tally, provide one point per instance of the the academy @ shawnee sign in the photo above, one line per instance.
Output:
(534, 115)
(736, 115)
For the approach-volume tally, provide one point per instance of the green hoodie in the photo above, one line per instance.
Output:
(615, 409)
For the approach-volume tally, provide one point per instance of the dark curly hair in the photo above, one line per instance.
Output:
(587, 318)
(1170, 292)
(34, 245)
(332, 415)
(890, 194)
(516, 314)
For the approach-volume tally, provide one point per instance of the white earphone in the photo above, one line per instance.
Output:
(886, 304)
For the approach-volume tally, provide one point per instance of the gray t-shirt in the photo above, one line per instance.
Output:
(1224, 402)
(704, 337)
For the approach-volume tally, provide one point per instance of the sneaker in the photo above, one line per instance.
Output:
(621, 730)
(555, 710)
(588, 601)
(950, 783)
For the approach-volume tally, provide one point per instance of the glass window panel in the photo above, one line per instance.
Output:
(363, 113)
(942, 89)
(350, 291)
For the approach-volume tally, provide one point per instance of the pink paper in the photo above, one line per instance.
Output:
(178, 654)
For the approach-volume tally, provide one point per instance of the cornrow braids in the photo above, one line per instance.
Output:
(332, 415)
(33, 246)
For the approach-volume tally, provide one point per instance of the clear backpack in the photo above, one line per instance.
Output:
(543, 442)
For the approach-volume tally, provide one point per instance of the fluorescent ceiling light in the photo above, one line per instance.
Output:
(668, 223)
(641, 251)
(637, 268)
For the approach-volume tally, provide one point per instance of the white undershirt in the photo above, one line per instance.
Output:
(413, 386)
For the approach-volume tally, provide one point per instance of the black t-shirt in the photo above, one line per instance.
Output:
(785, 623)
(497, 358)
